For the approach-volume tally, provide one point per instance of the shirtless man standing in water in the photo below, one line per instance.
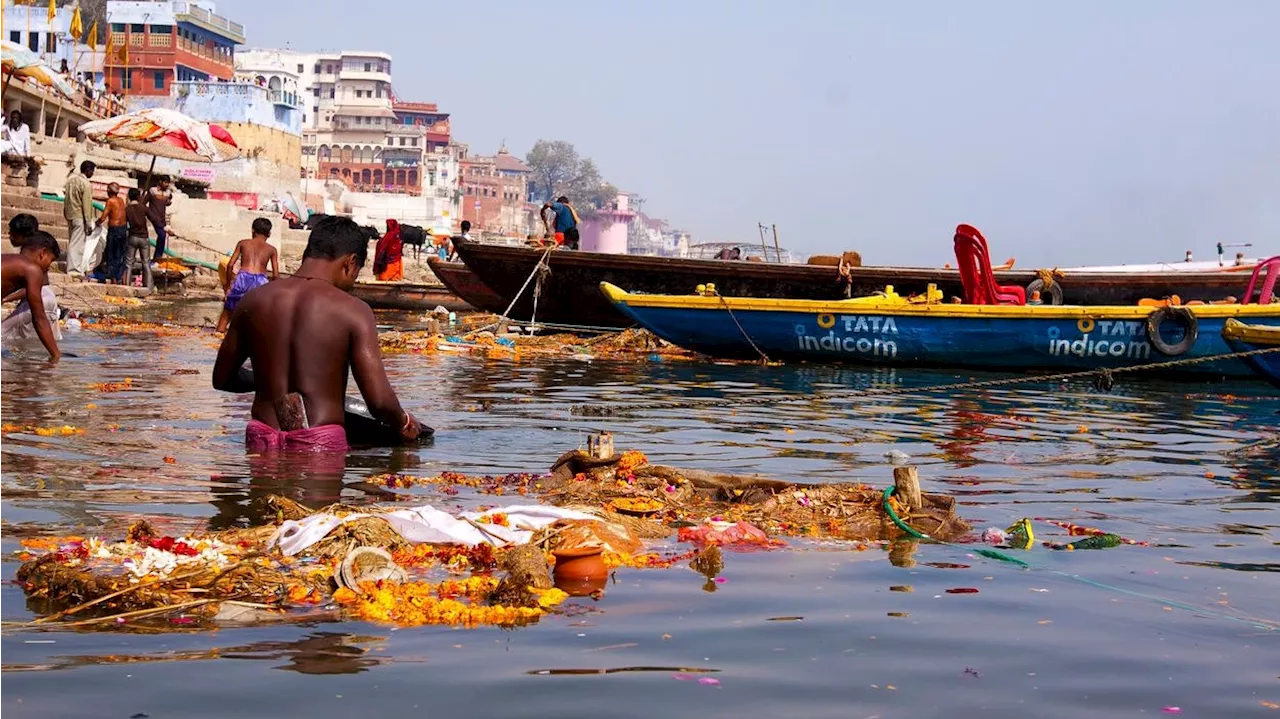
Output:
(254, 255)
(303, 335)
(24, 280)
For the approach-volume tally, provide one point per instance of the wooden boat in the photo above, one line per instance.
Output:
(1243, 337)
(893, 330)
(569, 293)
(464, 283)
(408, 296)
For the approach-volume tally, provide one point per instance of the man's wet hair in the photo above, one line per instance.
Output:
(134, 194)
(261, 226)
(334, 237)
(87, 166)
(466, 226)
(562, 198)
(41, 240)
(23, 225)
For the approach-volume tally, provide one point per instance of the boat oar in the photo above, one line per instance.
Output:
(362, 427)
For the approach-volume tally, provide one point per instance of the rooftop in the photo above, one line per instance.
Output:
(506, 162)
(402, 106)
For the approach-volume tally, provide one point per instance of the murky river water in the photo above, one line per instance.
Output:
(1190, 469)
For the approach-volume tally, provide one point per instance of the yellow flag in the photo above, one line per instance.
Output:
(77, 27)
(123, 54)
(92, 39)
(53, 13)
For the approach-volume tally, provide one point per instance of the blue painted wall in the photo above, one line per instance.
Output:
(227, 102)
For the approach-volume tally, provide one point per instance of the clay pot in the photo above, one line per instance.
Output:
(581, 570)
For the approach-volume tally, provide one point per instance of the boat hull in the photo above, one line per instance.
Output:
(569, 293)
(1001, 337)
(464, 283)
(1243, 337)
(408, 296)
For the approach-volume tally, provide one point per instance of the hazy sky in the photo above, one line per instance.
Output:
(1084, 132)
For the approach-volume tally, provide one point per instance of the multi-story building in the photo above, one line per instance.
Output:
(495, 191)
(154, 44)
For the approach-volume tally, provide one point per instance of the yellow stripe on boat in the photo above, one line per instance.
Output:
(1261, 335)
(863, 306)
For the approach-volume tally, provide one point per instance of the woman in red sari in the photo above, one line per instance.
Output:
(388, 265)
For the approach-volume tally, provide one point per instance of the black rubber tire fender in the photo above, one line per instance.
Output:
(1055, 291)
(1172, 314)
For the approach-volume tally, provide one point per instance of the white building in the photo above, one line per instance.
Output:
(29, 26)
(275, 70)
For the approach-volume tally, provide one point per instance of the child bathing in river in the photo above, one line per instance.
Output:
(254, 255)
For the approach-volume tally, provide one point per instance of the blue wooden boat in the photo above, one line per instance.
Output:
(1243, 337)
(889, 329)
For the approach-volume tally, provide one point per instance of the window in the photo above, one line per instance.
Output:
(158, 79)
(117, 27)
(137, 27)
(315, 110)
(161, 29)
(50, 42)
(315, 91)
(125, 79)
(33, 41)
(368, 67)
(15, 36)
(413, 141)
(331, 93)
(299, 68)
(315, 70)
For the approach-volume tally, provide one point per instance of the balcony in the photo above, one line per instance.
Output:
(206, 53)
(192, 13)
(280, 97)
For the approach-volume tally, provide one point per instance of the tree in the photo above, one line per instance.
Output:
(559, 170)
(92, 11)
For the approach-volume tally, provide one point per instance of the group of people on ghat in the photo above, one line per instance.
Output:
(125, 216)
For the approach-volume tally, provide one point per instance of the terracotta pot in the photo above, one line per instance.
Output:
(575, 567)
(581, 587)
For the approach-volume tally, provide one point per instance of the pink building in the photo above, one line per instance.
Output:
(607, 231)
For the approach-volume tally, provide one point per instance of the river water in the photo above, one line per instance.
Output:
(1183, 626)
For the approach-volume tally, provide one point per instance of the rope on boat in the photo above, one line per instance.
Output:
(1257, 623)
(764, 359)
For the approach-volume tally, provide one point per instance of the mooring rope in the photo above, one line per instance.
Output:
(764, 359)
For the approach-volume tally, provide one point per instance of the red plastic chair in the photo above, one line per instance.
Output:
(979, 282)
(1271, 268)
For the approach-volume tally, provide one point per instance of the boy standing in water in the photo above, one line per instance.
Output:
(24, 278)
(254, 255)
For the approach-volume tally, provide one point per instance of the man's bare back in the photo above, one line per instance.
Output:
(303, 335)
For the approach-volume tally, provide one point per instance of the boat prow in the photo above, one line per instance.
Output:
(1264, 340)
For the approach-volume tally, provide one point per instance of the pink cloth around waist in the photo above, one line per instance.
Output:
(260, 437)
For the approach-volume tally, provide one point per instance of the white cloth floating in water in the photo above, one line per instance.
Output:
(426, 524)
